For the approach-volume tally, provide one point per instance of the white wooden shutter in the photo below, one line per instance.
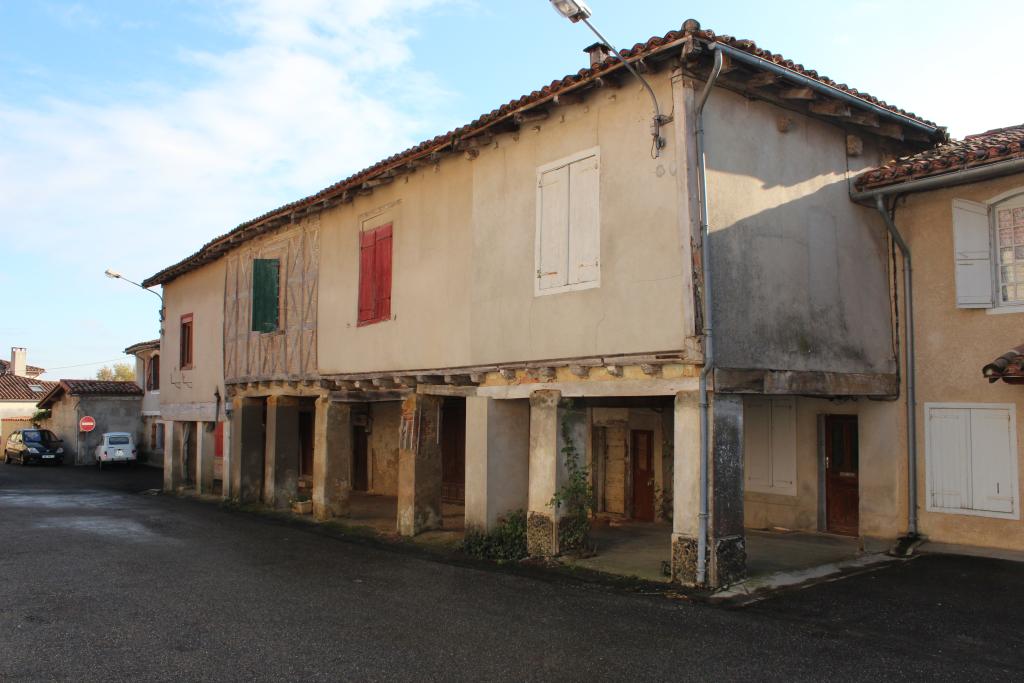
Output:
(948, 456)
(992, 470)
(783, 446)
(757, 420)
(584, 221)
(553, 228)
(973, 253)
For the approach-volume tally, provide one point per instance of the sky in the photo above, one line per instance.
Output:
(131, 133)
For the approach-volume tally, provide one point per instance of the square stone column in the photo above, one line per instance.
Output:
(547, 473)
(332, 459)
(726, 549)
(248, 443)
(497, 459)
(419, 465)
(281, 464)
(204, 455)
(172, 456)
(226, 490)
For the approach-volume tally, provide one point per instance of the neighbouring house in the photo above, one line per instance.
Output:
(959, 208)
(20, 390)
(147, 376)
(115, 406)
(436, 334)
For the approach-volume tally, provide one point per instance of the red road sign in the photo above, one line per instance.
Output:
(86, 424)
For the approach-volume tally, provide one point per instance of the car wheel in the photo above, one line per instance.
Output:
(7, 458)
(23, 461)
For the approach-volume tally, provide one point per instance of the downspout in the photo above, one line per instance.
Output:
(908, 304)
(709, 348)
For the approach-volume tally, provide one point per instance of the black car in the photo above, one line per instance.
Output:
(33, 445)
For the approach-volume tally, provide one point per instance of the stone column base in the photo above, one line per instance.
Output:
(540, 535)
(727, 563)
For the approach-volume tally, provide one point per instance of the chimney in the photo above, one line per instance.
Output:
(598, 53)
(19, 361)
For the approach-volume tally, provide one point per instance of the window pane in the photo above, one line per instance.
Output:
(1007, 274)
(1018, 215)
(1019, 253)
(1006, 237)
(1018, 235)
(1006, 255)
(1004, 218)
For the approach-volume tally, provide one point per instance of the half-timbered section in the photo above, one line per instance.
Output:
(455, 323)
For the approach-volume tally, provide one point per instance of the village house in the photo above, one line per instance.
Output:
(115, 406)
(688, 300)
(20, 390)
(959, 210)
(147, 376)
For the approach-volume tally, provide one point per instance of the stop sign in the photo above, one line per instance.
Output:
(86, 424)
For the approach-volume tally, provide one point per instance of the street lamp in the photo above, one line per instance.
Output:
(113, 274)
(577, 11)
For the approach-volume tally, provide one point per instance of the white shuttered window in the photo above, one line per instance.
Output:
(971, 454)
(769, 445)
(568, 224)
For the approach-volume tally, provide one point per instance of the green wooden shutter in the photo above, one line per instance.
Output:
(265, 294)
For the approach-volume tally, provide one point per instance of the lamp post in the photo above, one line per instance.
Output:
(577, 11)
(113, 274)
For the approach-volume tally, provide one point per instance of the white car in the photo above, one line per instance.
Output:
(116, 447)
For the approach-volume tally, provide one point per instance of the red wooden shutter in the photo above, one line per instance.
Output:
(366, 276)
(218, 440)
(382, 265)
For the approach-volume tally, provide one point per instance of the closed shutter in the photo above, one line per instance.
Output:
(266, 304)
(382, 271)
(973, 253)
(949, 457)
(757, 430)
(584, 221)
(553, 229)
(367, 250)
(992, 468)
(218, 440)
(783, 445)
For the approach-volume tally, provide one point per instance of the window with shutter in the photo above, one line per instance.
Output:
(266, 294)
(769, 445)
(971, 458)
(1009, 233)
(375, 253)
(185, 342)
(568, 242)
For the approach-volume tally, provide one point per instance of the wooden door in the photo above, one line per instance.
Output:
(453, 451)
(306, 420)
(360, 460)
(641, 445)
(842, 487)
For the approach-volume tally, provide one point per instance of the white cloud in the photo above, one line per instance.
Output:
(317, 91)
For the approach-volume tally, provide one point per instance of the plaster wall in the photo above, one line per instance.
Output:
(952, 345)
(188, 394)
(799, 272)
(382, 443)
(112, 414)
(463, 252)
(18, 408)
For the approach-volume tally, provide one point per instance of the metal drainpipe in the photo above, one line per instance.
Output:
(709, 355)
(908, 304)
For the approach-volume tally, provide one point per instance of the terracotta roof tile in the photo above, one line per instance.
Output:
(246, 231)
(142, 346)
(18, 388)
(32, 369)
(1009, 367)
(1001, 144)
(88, 387)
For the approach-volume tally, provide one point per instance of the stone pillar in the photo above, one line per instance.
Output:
(419, 465)
(332, 459)
(226, 490)
(726, 558)
(172, 456)
(545, 474)
(497, 459)
(247, 449)
(281, 464)
(205, 447)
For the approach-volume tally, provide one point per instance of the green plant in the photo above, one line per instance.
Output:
(576, 496)
(40, 415)
(505, 543)
(299, 498)
(663, 503)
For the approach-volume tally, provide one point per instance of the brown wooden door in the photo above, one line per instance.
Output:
(842, 488)
(642, 454)
(453, 451)
(360, 460)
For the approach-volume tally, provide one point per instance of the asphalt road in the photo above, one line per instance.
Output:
(101, 582)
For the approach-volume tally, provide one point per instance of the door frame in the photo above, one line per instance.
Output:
(823, 473)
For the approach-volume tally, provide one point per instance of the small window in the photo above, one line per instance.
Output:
(971, 457)
(153, 373)
(568, 241)
(769, 445)
(118, 440)
(375, 275)
(185, 341)
(266, 294)
(1009, 221)
(989, 252)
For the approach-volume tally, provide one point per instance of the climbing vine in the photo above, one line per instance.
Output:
(576, 496)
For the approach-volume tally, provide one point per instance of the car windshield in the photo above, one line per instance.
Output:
(39, 436)
(120, 440)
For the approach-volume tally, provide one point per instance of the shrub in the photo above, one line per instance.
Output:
(505, 543)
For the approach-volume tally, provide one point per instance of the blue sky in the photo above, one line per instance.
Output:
(133, 132)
